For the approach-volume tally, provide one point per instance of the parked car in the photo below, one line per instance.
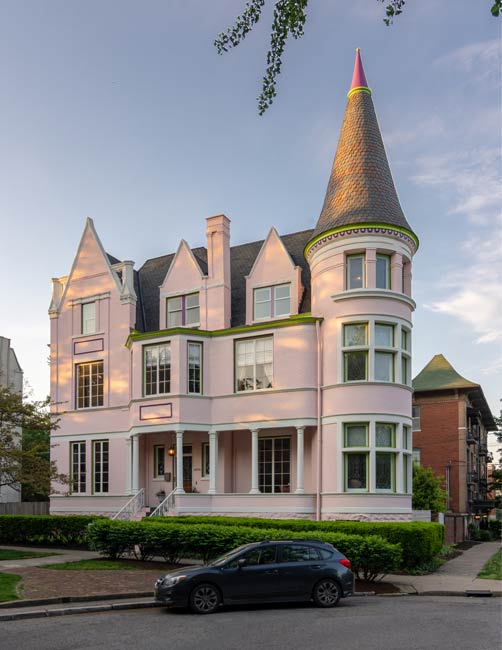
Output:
(269, 571)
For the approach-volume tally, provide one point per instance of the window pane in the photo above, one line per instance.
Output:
(160, 460)
(355, 272)
(262, 303)
(385, 435)
(384, 335)
(282, 291)
(405, 372)
(415, 413)
(205, 459)
(356, 478)
(384, 366)
(89, 318)
(192, 316)
(406, 465)
(282, 303)
(194, 367)
(174, 319)
(355, 334)
(192, 300)
(262, 310)
(382, 272)
(415, 454)
(405, 340)
(384, 471)
(254, 364)
(406, 437)
(355, 365)
(356, 435)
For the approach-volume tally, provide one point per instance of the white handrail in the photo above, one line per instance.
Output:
(164, 506)
(135, 503)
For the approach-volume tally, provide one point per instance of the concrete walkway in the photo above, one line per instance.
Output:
(455, 577)
(63, 555)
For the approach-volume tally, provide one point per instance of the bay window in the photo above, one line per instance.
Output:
(254, 364)
(157, 369)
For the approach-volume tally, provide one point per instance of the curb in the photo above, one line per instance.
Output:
(15, 604)
(87, 609)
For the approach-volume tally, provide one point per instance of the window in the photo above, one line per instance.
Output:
(406, 437)
(406, 340)
(383, 272)
(356, 472)
(254, 364)
(385, 435)
(355, 272)
(88, 318)
(384, 335)
(270, 302)
(415, 412)
(100, 465)
(159, 461)
(405, 370)
(157, 369)
(205, 471)
(384, 366)
(356, 435)
(385, 465)
(195, 368)
(183, 310)
(89, 384)
(406, 473)
(274, 465)
(77, 467)
(355, 334)
(355, 362)
(297, 553)
(405, 357)
(265, 555)
(416, 456)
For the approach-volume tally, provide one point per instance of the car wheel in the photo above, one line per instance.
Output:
(205, 599)
(326, 593)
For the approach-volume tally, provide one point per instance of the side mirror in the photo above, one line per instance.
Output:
(241, 562)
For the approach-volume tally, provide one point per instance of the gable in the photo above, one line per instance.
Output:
(184, 273)
(273, 262)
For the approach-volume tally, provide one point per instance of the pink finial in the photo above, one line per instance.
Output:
(358, 78)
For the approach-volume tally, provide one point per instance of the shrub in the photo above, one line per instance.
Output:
(369, 556)
(495, 528)
(46, 530)
(420, 541)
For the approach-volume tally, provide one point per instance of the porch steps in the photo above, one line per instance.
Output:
(140, 514)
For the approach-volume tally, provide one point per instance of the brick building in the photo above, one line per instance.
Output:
(451, 421)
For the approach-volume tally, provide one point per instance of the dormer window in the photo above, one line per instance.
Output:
(183, 311)
(355, 272)
(272, 302)
(88, 318)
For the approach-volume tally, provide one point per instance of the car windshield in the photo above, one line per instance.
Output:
(223, 559)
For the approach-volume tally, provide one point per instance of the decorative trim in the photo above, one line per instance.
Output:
(301, 319)
(375, 228)
(359, 89)
(90, 351)
(96, 296)
(156, 406)
(375, 293)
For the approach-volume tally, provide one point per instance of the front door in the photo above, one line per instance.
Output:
(187, 468)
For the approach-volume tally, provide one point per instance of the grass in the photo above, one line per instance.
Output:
(493, 568)
(93, 565)
(11, 554)
(8, 582)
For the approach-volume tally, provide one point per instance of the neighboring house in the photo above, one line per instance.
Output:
(270, 378)
(11, 377)
(450, 427)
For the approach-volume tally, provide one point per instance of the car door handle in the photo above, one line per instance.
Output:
(271, 571)
(316, 567)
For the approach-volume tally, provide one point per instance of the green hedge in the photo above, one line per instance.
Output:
(45, 530)
(369, 555)
(419, 541)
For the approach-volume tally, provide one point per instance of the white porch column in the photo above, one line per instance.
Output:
(179, 463)
(254, 462)
(299, 460)
(129, 465)
(135, 464)
(213, 462)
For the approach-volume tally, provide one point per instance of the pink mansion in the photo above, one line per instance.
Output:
(269, 379)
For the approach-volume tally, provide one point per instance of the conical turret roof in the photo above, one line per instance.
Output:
(360, 188)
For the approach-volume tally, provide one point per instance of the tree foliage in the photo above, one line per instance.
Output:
(26, 463)
(289, 20)
(428, 493)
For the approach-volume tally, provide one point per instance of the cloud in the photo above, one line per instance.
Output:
(482, 58)
(431, 127)
(474, 294)
(472, 176)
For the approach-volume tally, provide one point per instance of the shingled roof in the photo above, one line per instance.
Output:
(151, 275)
(360, 187)
(440, 375)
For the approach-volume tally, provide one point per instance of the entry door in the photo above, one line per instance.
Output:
(187, 468)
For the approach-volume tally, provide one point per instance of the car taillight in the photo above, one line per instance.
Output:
(345, 562)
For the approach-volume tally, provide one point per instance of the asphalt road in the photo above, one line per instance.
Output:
(373, 623)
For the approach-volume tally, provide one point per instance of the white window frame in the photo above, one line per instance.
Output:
(183, 310)
(387, 258)
(98, 479)
(158, 347)
(78, 467)
(88, 321)
(271, 300)
(239, 342)
(199, 345)
(273, 440)
(348, 258)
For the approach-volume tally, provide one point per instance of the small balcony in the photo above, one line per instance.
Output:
(472, 477)
(472, 435)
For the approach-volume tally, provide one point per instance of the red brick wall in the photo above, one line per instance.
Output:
(440, 444)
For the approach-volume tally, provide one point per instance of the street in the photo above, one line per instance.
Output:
(376, 623)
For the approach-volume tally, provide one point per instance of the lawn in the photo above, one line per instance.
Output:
(94, 565)
(8, 582)
(11, 554)
(493, 568)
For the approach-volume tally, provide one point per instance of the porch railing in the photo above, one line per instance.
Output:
(164, 506)
(134, 505)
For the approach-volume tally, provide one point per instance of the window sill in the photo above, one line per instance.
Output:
(374, 293)
(89, 408)
(85, 336)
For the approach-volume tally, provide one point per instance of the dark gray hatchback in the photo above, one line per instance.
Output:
(269, 571)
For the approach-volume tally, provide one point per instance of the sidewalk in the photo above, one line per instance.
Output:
(63, 555)
(455, 577)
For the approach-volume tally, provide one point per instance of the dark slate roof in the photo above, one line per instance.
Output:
(151, 275)
(112, 259)
(360, 187)
(440, 375)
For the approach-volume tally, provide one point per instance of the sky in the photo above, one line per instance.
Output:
(124, 112)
